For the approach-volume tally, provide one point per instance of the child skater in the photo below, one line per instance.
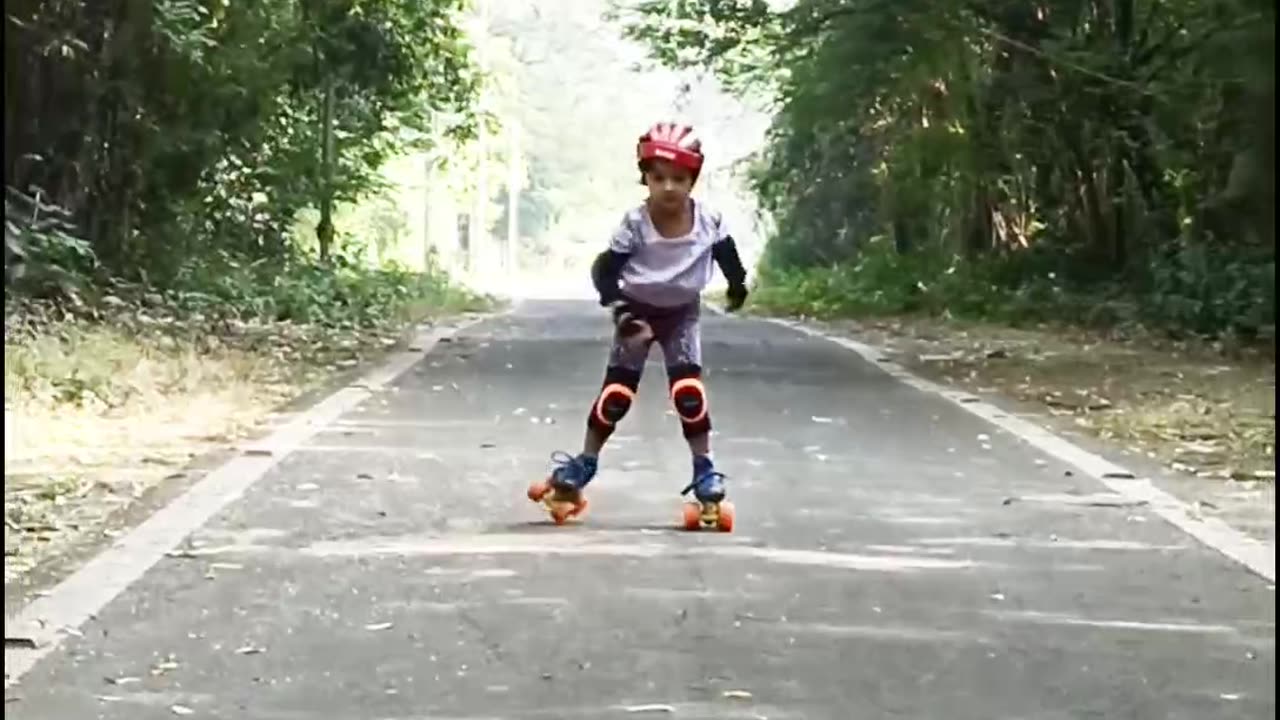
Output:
(652, 276)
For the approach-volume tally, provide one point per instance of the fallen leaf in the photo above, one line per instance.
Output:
(182, 710)
(654, 708)
(737, 694)
(378, 626)
(249, 650)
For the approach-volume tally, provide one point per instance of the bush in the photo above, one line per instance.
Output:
(341, 294)
(1192, 292)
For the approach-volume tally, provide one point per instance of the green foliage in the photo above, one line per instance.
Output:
(344, 293)
(294, 315)
(1117, 145)
(580, 107)
(1192, 294)
(171, 128)
(43, 256)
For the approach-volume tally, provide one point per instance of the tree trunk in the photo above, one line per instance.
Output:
(324, 229)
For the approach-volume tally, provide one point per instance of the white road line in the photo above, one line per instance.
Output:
(45, 621)
(1258, 556)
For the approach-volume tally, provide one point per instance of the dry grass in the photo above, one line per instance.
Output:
(96, 415)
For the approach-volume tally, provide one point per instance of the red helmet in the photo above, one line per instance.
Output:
(674, 142)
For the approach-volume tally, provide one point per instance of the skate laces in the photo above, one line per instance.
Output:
(572, 463)
(703, 480)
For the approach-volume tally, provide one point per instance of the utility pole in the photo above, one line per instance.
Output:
(320, 63)
(513, 198)
(324, 230)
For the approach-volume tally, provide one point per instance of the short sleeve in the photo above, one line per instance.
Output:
(626, 236)
(720, 229)
(724, 228)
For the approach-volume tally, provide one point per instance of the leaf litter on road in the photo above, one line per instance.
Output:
(1203, 411)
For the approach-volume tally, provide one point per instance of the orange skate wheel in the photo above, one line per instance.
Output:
(725, 521)
(560, 514)
(538, 490)
(692, 516)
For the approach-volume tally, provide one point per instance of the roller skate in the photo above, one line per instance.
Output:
(561, 492)
(709, 511)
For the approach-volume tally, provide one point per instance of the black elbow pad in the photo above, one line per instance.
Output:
(725, 253)
(606, 270)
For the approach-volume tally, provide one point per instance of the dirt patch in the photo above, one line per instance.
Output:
(1203, 412)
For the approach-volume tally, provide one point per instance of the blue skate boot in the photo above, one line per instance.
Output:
(561, 492)
(711, 511)
(571, 473)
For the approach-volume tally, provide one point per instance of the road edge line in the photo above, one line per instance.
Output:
(42, 623)
(1257, 556)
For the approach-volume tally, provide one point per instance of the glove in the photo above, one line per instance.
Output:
(624, 318)
(737, 295)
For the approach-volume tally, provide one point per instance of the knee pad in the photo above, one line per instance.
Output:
(612, 405)
(689, 395)
(616, 396)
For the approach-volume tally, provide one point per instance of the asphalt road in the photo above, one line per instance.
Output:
(894, 557)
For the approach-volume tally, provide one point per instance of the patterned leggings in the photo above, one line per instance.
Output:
(678, 332)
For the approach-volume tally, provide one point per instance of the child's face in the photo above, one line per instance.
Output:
(669, 184)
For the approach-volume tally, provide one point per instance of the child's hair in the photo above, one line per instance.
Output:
(644, 165)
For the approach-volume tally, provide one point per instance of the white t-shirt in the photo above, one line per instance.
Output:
(667, 272)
